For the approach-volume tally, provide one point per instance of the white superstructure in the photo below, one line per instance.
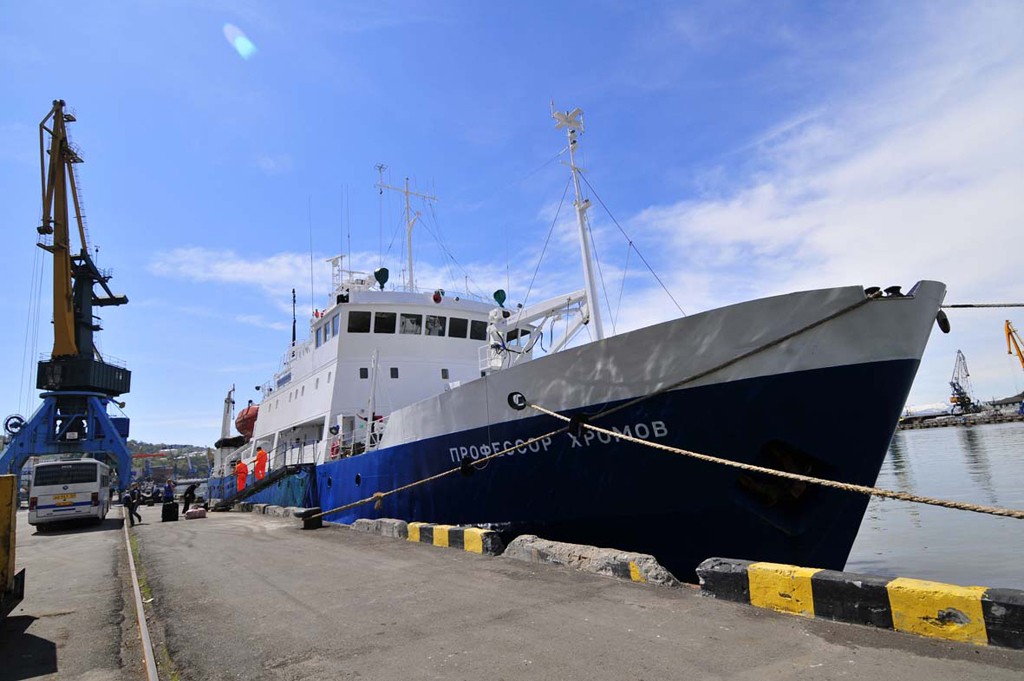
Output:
(372, 351)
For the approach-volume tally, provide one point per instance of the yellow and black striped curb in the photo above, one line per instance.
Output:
(971, 614)
(472, 539)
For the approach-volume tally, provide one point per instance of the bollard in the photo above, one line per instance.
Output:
(309, 522)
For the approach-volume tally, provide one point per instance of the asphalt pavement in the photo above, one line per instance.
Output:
(69, 624)
(245, 596)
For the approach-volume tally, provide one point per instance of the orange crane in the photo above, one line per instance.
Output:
(1013, 343)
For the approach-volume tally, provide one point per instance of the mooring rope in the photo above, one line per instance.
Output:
(848, 487)
(750, 353)
(377, 497)
(944, 307)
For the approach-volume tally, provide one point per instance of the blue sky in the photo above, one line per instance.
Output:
(748, 148)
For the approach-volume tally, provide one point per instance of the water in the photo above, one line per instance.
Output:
(980, 464)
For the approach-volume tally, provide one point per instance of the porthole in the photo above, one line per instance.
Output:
(444, 374)
(359, 480)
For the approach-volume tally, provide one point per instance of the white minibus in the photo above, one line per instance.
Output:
(62, 490)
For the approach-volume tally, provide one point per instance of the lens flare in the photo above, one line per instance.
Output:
(242, 44)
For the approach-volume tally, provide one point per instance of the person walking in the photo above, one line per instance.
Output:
(131, 499)
(188, 498)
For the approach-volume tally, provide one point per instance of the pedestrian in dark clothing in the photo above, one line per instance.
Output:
(188, 498)
(131, 500)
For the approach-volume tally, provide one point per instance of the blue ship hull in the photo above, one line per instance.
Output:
(630, 497)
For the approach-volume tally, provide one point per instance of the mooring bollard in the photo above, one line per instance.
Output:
(309, 522)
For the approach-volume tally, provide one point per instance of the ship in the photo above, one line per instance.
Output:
(395, 385)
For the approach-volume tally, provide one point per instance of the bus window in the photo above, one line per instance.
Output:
(64, 474)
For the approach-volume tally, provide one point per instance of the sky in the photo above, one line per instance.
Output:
(747, 149)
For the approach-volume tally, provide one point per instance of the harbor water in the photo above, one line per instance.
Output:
(978, 464)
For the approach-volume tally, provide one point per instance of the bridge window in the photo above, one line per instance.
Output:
(384, 322)
(410, 323)
(515, 334)
(435, 325)
(444, 374)
(334, 325)
(358, 321)
(318, 337)
(478, 330)
(458, 327)
(394, 372)
(327, 332)
(364, 372)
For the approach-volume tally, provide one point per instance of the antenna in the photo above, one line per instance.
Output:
(410, 219)
(293, 318)
(348, 219)
(380, 210)
(573, 124)
(309, 213)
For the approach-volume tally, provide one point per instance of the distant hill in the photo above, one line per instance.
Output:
(173, 463)
(139, 447)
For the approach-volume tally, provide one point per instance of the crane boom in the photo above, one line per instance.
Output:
(55, 176)
(75, 363)
(1013, 343)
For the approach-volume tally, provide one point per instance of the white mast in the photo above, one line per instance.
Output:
(229, 414)
(372, 406)
(410, 219)
(573, 124)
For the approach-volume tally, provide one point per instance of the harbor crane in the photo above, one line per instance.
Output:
(1013, 344)
(963, 395)
(78, 383)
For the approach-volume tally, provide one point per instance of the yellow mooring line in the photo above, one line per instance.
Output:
(862, 489)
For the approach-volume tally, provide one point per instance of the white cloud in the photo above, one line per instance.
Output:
(274, 164)
(918, 177)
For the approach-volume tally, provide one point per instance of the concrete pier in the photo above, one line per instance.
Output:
(250, 596)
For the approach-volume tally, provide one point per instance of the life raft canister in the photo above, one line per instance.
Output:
(334, 449)
(241, 473)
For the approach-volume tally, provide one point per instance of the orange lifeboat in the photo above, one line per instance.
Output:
(245, 422)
